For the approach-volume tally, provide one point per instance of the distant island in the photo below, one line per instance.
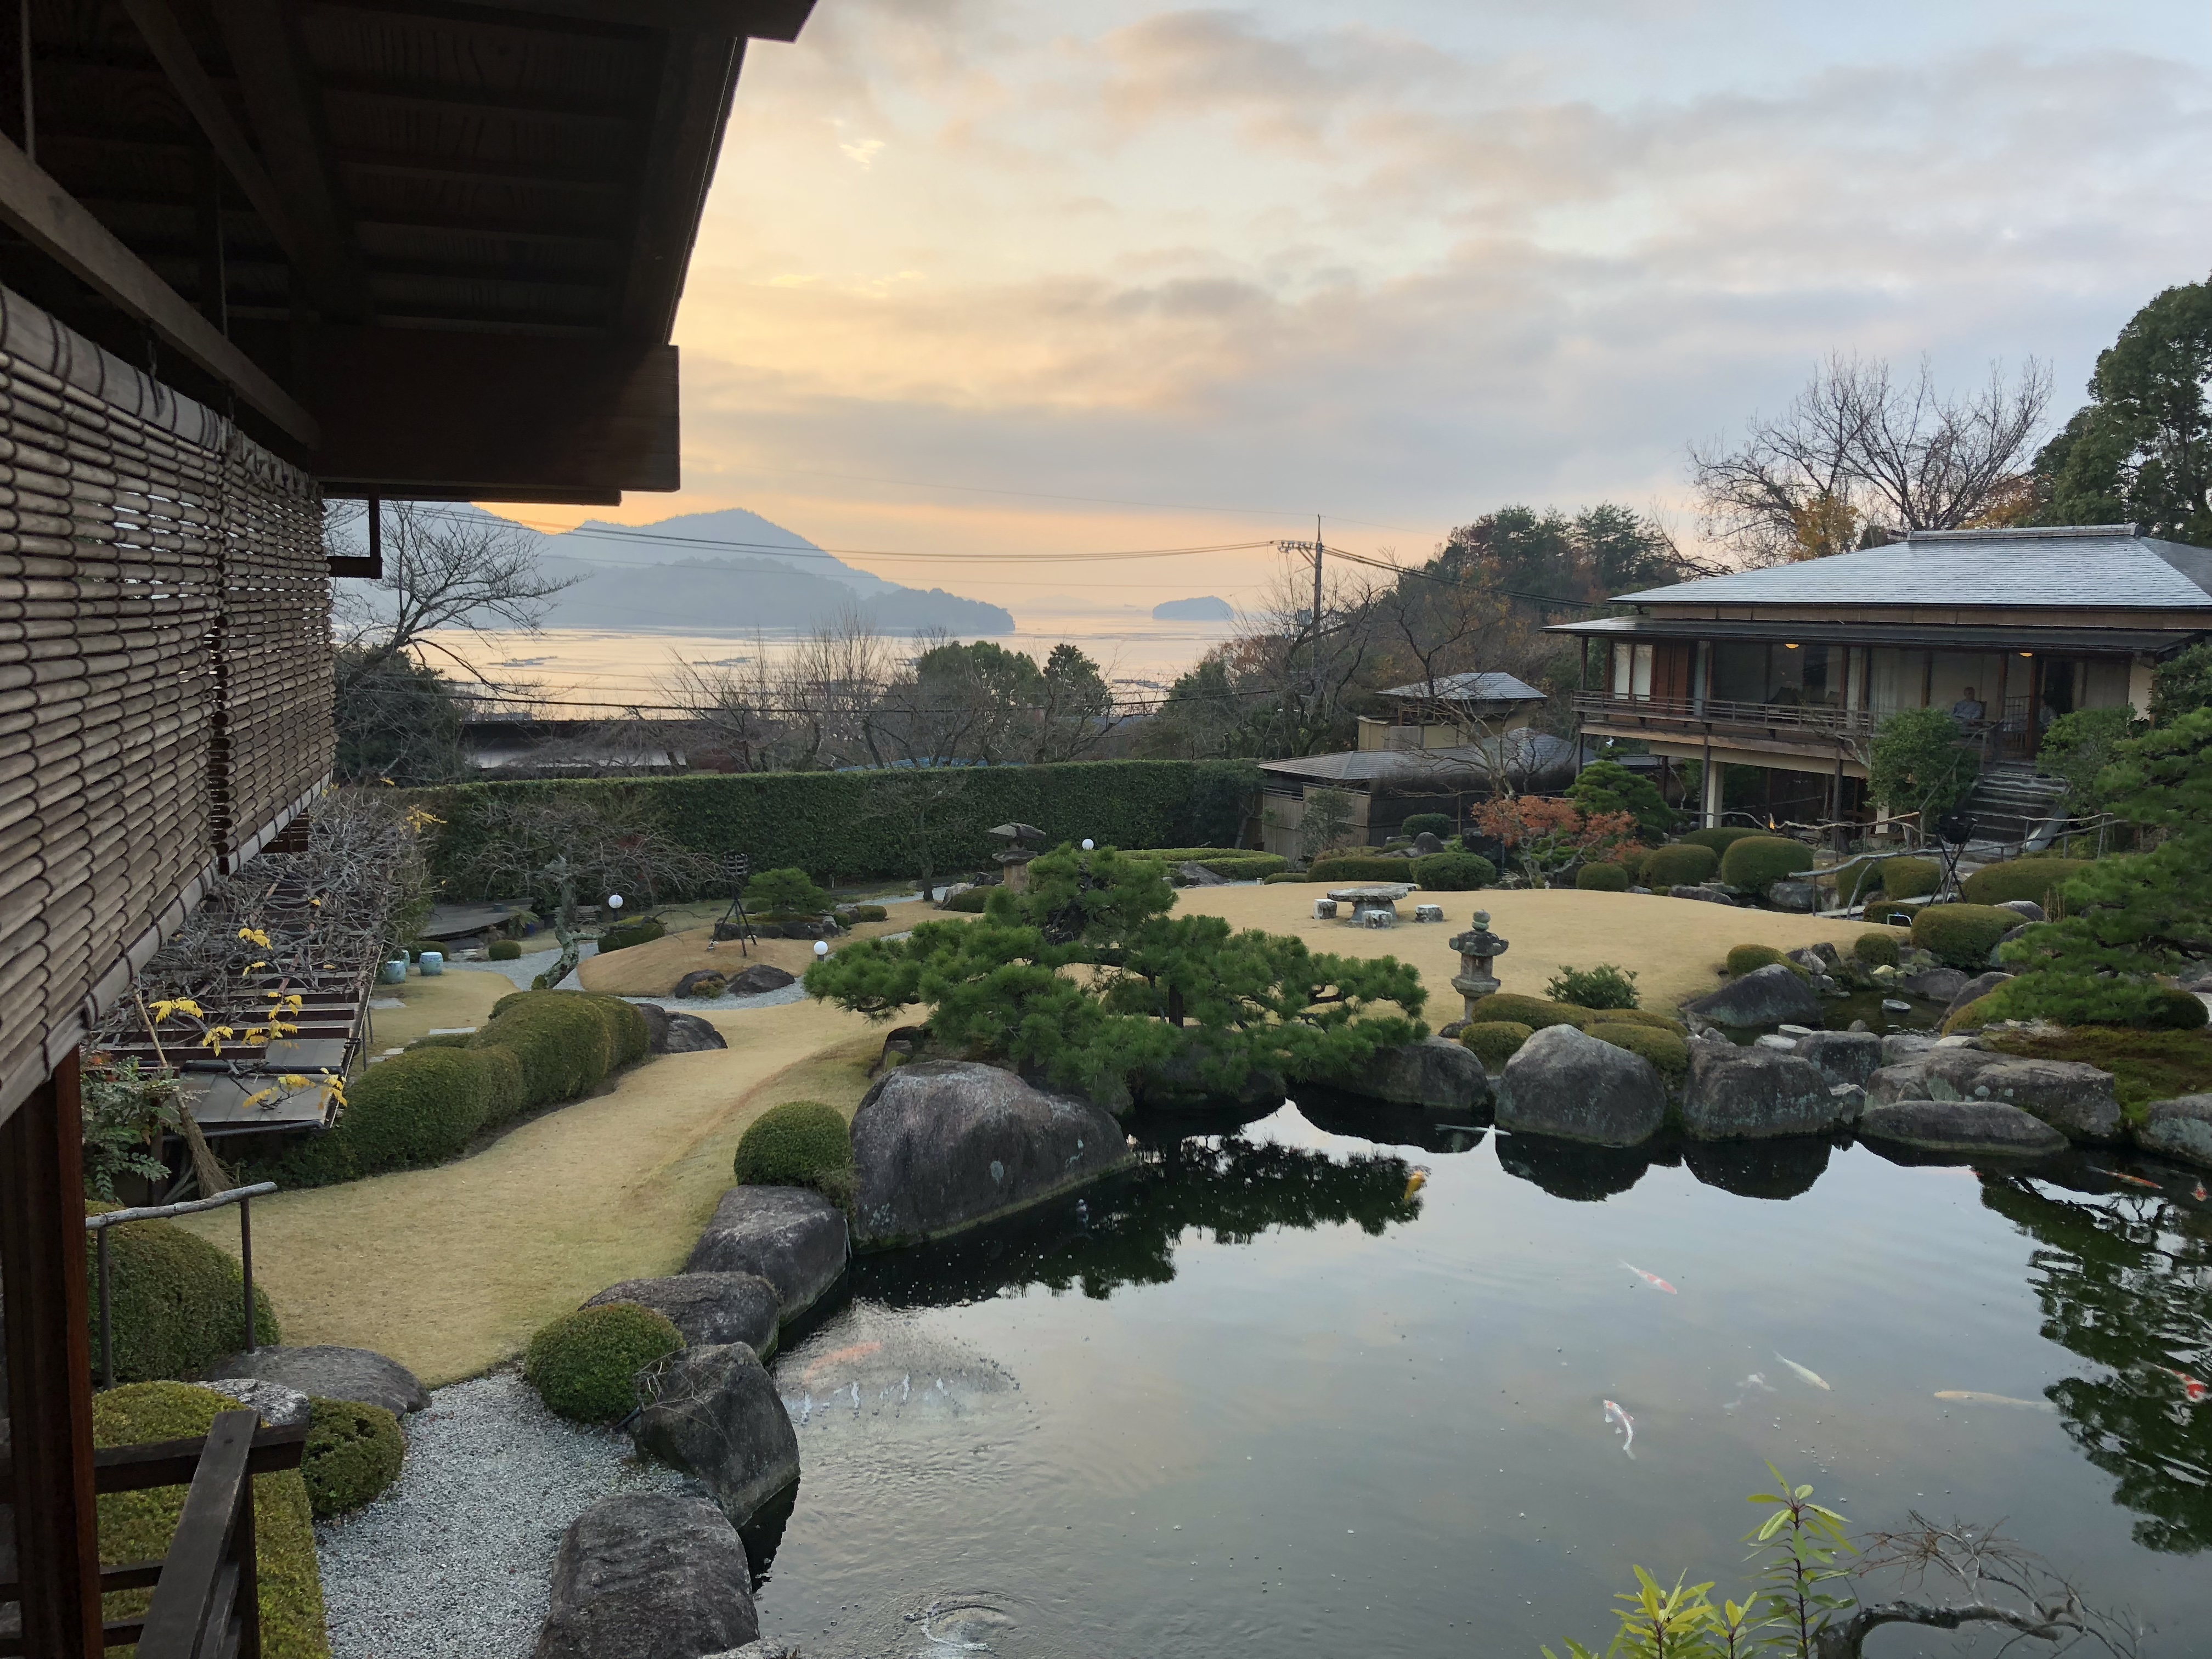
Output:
(1208, 609)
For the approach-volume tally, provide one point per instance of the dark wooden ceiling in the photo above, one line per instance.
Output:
(318, 179)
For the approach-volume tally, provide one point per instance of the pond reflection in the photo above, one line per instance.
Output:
(2128, 1286)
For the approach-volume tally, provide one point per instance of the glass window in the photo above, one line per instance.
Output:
(1740, 671)
(1965, 683)
(1631, 670)
(1811, 674)
(1897, 676)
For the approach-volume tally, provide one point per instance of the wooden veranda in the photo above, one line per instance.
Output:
(253, 254)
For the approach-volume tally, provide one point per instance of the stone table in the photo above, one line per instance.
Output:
(1364, 899)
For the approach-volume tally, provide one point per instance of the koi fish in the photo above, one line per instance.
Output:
(2192, 1390)
(2132, 1180)
(1744, 1389)
(1652, 1279)
(838, 1356)
(1813, 1377)
(1416, 1181)
(1975, 1397)
(2199, 1194)
(1614, 1414)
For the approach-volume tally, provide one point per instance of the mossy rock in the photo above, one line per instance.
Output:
(970, 902)
(624, 935)
(1602, 879)
(354, 1452)
(1535, 1012)
(1756, 862)
(584, 1364)
(1750, 958)
(1657, 1022)
(1720, 839)
(504, 949)
(1670, 1052)
(877, 913)
(1682, 863)
(1494, 1041)
(801, 1143)
(138, 1526)
(2035, 880)
(177, 1301)
(1877, 950)
(1962, 935)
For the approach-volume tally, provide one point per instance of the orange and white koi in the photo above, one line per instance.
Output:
(2132, 1180)
(838, 1356)
(2193, 1390)
(1652, 1279)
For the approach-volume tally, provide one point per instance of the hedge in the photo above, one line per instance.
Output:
(847, 826)
(1359, 867)
(801, 1143)
(1455, 871)
(1683, 864)
(1904, 879)
(1670, 1052)
(583, 1364)
(177, 1301)
(2031, 879)
(1757, 861)
(1602, 879)
(1720, 839)
(566, 1040)
(1438, 824)
(137, 1526)
(1494, 1041)
(354, 1452)
(1962, 935)
(1535, 1012)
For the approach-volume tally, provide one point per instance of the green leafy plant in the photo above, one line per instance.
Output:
(1720, 837)
(800, 1142)
(1535, 1012)
(126, 1110)
(1494, 1041)
(1455, 871)
(2181, 684)
(504, 949)
(353, 1453)
(1962, 935)
(1341, 867)
(2078, 747)
(1684, 864)
(584, 1364)
(787, 892)
(1757, 861)
(1608, 786)
(1329, 818)
(1601, 879)
(1601, 987)
(1919, 763)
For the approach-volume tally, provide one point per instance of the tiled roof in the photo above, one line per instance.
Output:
(1524, 749)
(1477, 687)
(2105, 567)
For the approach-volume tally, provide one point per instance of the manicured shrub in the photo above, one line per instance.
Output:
(1602, 879)
(177, 1301)
(801, 1143)
(2180, 1011)
(1670, 1052)
(1903, 878)
(1284, 875)
(2033, 880)
(1494, 1041)
(1438, 824)
(1755, 861)
(1454, 871)
(584, 1363)
(877, 913)
(1603, 987)
(791, 890)
(138, 1526)
(1535, 1012)
(630, 933)
(1750, 958)
(440, 1040)
(1356, 868)
(970, 902)
(1632, 860)
(566, 1042)
(1682, 863)
(420, 1108)
(1877, 950)
(1962, 935)
(504, 949)
(1657, 1022)
(1892, 913)
(1233, 867)
(354, 1452)
(1720, 839)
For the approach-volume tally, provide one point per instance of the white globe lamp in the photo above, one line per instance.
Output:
(614, 900)
(1088, 843)
(821, 947)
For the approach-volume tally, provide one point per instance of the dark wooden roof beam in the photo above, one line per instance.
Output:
(698, 79)
(473, 171)
(757, 20)
(338, 86)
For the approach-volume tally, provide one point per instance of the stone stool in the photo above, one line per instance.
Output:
(1380, 918)
(1428, 912)
(1324, 910)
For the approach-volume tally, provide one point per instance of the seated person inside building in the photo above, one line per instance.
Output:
(1968, 711)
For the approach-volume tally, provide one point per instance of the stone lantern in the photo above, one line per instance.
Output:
(1478, 948)
(1014, 859)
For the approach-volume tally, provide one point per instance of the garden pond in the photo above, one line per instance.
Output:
(1274, 1392)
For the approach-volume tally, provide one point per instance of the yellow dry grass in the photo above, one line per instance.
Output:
(451, 1270)
(652, 969)
(459, 996)
(1673, 946)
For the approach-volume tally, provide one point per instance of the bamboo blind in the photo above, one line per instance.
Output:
(165, 691)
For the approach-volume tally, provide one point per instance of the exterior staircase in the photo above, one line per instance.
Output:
(2010, 803)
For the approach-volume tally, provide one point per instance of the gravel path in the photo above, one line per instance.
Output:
(456, 1560)
(523, 969)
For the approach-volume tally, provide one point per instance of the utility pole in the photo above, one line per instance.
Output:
(1317, 604)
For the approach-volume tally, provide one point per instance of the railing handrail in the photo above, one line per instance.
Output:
(208, 1580)
(94, 1224)
(1721, 711)
(98, 1225)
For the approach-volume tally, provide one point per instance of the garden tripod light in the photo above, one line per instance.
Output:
(738, 870)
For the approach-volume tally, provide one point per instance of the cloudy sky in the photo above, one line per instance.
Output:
(998, 277)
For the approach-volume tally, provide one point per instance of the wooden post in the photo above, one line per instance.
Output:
(49, 1371)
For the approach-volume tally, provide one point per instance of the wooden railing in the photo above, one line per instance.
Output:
(1815, 721)
(207, 1597)
(97, 1225)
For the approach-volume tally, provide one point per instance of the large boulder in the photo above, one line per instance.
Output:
(940, 1145)
(1961, 1126)
(1749, 1094)
(1563, 1082)
(760, 978)
(668, 1033)
(791, 1236)
(1800, 897)
(1900, 1047)
(714, 1411)
(1703, 894)
(1936, 984)
(2072, 1098)
(1772, 996)
(332, 1373)
(648, 1576)
(2181, 1128)
(701, 982)
(1843, 1056)
(1432, 1073)
(1179, 1082)
(1976, 988)
(708, 1309)
(1191, 873)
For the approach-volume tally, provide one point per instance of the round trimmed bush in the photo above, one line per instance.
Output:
(1750, 958)
(1856, 882)
(1632, 860)
(1535, 1012)
(1754, 862)
(1975, 1015)
(566, 1042)
(1670, 1052)
(504, 949)
(1438, 824)
(1602, 879)
(354, 1452)
(1282, 876)
(788, 889)
(877, 913)
(2033, 880)
(1682, 863)
(801, 1143)
(1877, 950)
(1904, 879)
(440, 1040)
(970, 902)
(1454, 872)
(420, 1108)
(176, 1301)
(1494, 1041)
(2180, 1011)
(138, 1526)
(1962, 935)
(584, 1364)
(1720, 839)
